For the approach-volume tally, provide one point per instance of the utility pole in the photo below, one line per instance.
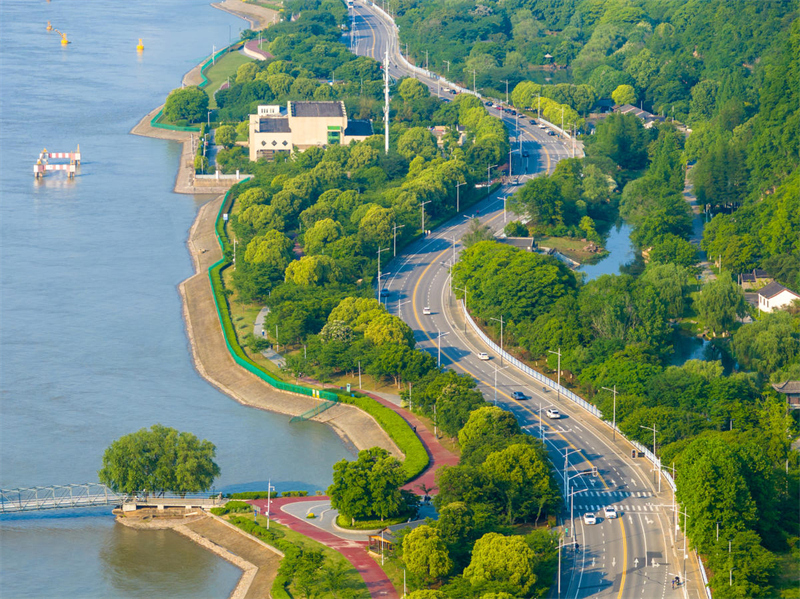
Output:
(448, 66)
(504, 200)
(506, 82)
(539, 106)
(558, 375)
(614, 421)
(394, 233)
(379, 272)
(496, 369)
(426, 60)
(458, 196)
(439, 344)
(502, 323)
(422, 208)
(386, 100)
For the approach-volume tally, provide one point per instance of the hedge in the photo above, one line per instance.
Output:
(232, 507)
(398, 429)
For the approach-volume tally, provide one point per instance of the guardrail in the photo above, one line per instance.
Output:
(564, 392)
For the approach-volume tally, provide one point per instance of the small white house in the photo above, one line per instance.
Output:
(774, 297)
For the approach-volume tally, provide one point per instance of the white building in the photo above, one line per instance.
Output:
(302, 125)
(774, 297)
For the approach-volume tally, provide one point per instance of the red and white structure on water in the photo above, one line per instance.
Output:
(43, 164)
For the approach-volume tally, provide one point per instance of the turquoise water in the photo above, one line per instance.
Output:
(92, 339)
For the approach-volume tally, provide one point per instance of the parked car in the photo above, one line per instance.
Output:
(518, 395)
(426, 311)
(483, 356)
(589, 518)
(610, 511)
(553, 413)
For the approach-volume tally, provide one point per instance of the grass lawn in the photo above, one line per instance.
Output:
(352, 579)
(572, 247)
(218, 73)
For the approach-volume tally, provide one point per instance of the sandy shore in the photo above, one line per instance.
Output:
(259, 17)
(214, 362)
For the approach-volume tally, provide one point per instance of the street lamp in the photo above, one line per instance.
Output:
(614, 421)
(489, 178)
(209, 119)
(558, 375)
(464, 289)
(474, 89)
(379, 272)
(496, 369)
(572, 507)
(458, 196)
(439, 344)
(270, 488)
(566, 465)
(422, 209)
(394, 232)
(652, 428)
(502, 323)
(448, 66)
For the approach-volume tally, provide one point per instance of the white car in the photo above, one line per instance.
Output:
(426, 311)
(589, 518)
(610, 511)
(553, 413)
(483, 356)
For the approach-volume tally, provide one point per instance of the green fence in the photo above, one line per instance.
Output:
(223, 312)
(154, 121)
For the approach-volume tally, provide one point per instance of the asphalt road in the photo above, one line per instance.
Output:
(633, 556)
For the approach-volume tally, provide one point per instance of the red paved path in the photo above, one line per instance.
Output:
(377, 583)
(437, 454)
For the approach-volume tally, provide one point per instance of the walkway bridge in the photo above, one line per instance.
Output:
(93, 495)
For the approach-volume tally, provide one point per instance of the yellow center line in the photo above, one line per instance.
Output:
(524, 408)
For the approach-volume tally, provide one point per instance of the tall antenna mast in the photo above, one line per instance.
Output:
(386, 100)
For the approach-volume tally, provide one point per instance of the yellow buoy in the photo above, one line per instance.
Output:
(49, 26)
(140, 47)
(64, 40)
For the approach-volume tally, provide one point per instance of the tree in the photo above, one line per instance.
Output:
(476, 233)
(541, 199)
(157, 460)
(272, 249)
(488, 429)
(769, 344)
(323, 233)
(505, 562)
(425, 553)
(417, 141)
(387, 328)
(369, 484)
(186, 104)
(225, 135)
(721, 301)
(313, 270)
(624, 94)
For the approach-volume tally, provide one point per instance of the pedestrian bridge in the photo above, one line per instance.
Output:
(93, 495)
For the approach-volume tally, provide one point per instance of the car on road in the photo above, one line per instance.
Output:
(540, 125)
(551, 133)
(385, 292)
(489, 104)
(589, 518)
(483, 356)
(610, 511)
(426, 311)
(525, 154)
(553, 413)
(518, 395)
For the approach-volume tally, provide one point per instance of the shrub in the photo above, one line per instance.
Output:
(232, 507)
(253, 495)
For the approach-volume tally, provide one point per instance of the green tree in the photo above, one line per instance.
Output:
(313, 270)
(321, 235)
(425, 553)
(186, 104)
(225, 135)
(476, 233)
(387, 328)
(720, 302)
(417, 141)
(158, 460)
(272, 249)
(505, 562)
(370, 481)
(488, 429)
(768, 344)
(624, 94)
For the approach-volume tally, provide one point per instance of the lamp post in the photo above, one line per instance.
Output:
(502, 323)
(614, 421)
(464, 289)
(566, 465)
(558, 374)
(458, 196)
(379, 272)
(496, 369)
(270, 488)
(448, 65)
(422, 209)
(209, 119)
(506, 197)
(506, 82)
(572, 508)
(474, 89)
(394, 234)
(489, 178)
(652, 428)
(439, 345)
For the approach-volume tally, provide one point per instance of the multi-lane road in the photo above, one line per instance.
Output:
(633, 556)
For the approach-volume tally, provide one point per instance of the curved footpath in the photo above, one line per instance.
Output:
(215, 364)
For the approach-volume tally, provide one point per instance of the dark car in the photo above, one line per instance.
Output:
(518, 395)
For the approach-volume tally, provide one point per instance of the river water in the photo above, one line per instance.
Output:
(92, 341)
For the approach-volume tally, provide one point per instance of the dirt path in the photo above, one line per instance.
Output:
(215, 364)
(258, 562)
(377, 582)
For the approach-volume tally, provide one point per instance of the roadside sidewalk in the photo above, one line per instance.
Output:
(378, 584)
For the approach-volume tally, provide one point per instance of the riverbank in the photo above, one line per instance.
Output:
(215, 364)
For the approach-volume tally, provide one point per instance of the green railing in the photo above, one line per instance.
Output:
(223, 312)
(315, 411)
(154, 121)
